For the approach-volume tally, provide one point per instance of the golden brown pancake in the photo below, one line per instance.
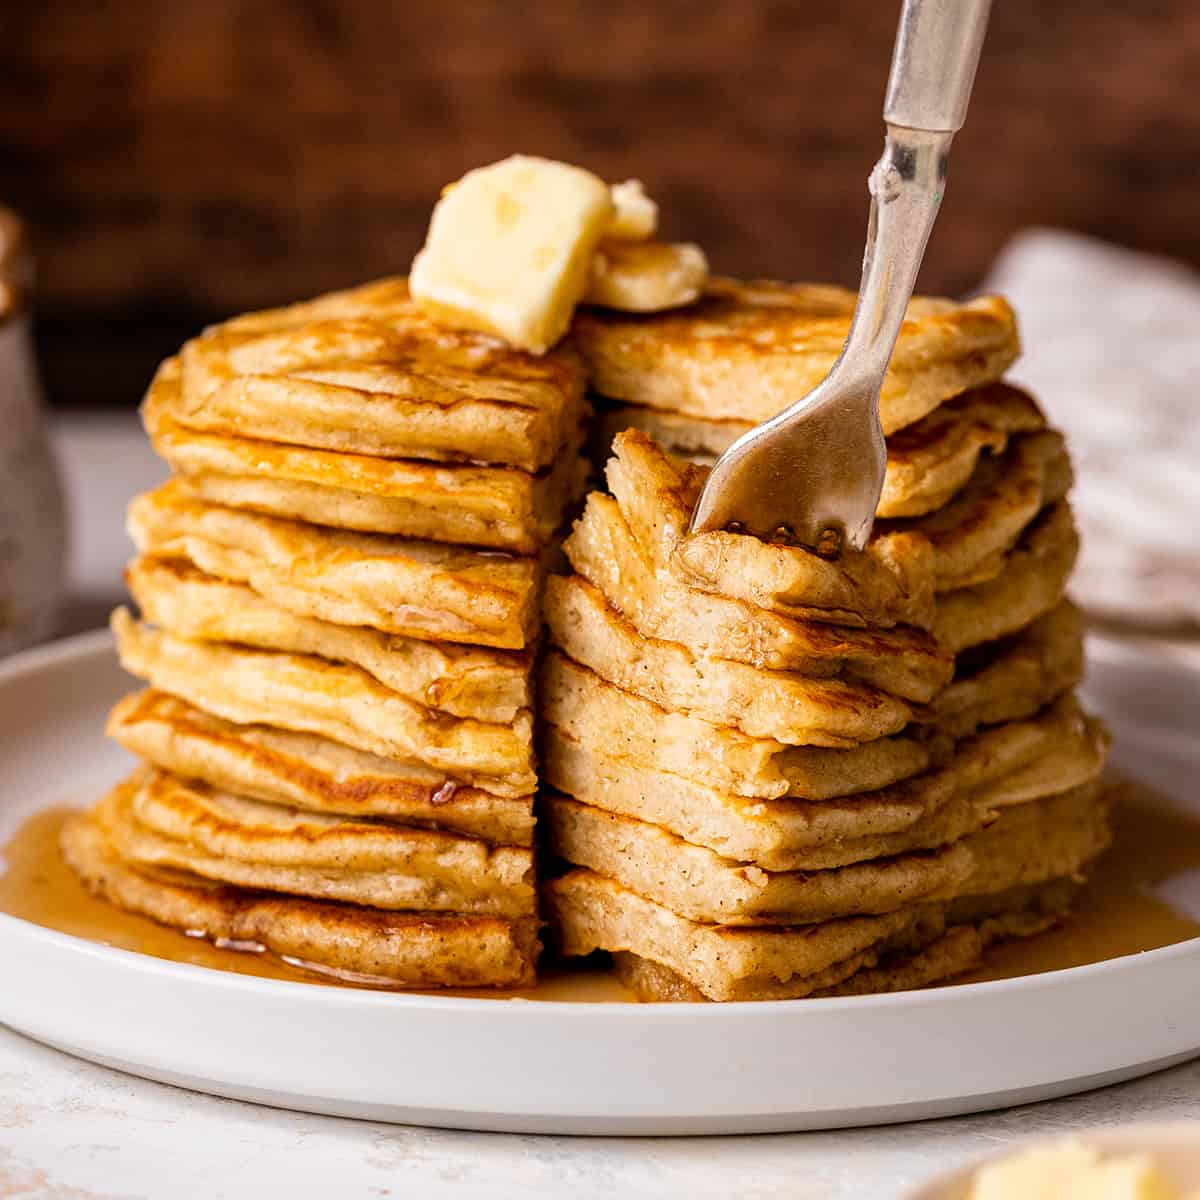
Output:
(1014, 677)
(310, 695)
(747, 350)
(412, 950)
(1032, 583)
(703, 886)
(620, 725)
(302, 770)
(366, 372)
(498, 507)
(467, 681)
(904, 661)
(927, 462)
(159, 820)
(420, 589)
(890, 583)
(786, 706)
(973, 533)
(924, 957)
(778, 835)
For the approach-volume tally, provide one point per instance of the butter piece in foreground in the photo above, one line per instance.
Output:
(1071, 1171)
(510, 249)
(646, 276)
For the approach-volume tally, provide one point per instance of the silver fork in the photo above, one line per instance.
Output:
(812, 475)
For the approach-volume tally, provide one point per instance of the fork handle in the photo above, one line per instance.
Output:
(933, 64)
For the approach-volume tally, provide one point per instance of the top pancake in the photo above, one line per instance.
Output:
(747, 350)
(366, 371)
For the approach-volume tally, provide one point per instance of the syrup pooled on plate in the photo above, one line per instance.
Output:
(1144, 894)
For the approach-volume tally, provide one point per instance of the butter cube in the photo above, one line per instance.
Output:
(635, 215)
(1071, 1171)
(510, 248)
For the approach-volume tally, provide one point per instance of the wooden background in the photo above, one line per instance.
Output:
(184, 159)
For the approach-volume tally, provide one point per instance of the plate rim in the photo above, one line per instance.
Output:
(99, 641)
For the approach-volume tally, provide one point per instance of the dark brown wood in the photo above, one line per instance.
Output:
(182, 160)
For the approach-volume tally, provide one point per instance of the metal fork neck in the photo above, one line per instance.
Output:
(906, 189)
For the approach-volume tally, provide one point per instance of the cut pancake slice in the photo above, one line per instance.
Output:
(923, 958)
(791, 708)
(973, 533)
(1013, 678)
(1021, 879)
(366, 371)
(466, 681)
(420, 589)
(927, 463)
(302, 770)
(619, 725)
(747, 349)
(310, 695)
(499, 507)
(778, 835)
(157, 820)
(903, 661)
(1032, 582)
(409, 950)
(890, 583)
(591, 912)
(702, 886)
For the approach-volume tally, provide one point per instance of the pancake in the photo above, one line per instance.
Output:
(703, 886)
(419, 589)
(1029, 848)
(778, 835)
(414, 950)
(906, 662)
(498, 507)
(1014, 677)
(365, 371)
(888, 584)
(310, 695)
(619, 725)
(927, 462)
(973, 533)
(789, 707)
(748, 349)
(301, 770)
(909, 962)
(159, 820)
(1032, 583)
(466, 681)
(591, 912)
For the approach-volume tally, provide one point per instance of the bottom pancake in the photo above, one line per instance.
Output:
(404, 950)
(957, 949)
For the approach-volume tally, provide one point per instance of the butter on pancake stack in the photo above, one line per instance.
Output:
(340, 592)
(777, 776)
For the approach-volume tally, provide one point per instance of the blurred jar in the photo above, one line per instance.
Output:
(32, 524)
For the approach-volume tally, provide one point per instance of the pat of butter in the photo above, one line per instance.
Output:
(635, 215)
(646, 276)
(1071, 1171)
(509, 249)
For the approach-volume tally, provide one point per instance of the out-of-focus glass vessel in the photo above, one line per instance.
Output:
(32, 523)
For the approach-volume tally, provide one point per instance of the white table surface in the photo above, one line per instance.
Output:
(73, 1131)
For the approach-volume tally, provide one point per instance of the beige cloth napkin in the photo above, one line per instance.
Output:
(1112, 351)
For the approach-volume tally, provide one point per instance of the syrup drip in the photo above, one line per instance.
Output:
(1144, 894)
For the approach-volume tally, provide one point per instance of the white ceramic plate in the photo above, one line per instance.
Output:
(1175, 1150)
(541, 1066)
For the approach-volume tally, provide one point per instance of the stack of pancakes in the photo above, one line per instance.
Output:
(340, 590)
(778, 776)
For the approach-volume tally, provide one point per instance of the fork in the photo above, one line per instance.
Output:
(813, 474)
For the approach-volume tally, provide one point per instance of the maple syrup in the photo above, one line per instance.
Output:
(1130, 905)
